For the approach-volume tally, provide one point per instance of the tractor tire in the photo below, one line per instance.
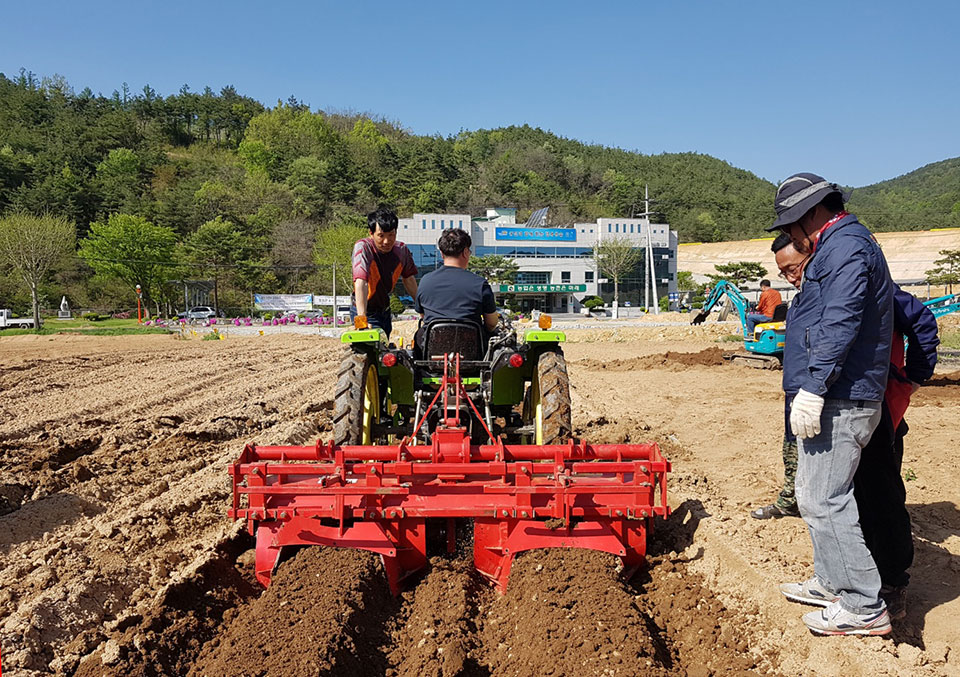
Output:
(355, 407)
(551, 390)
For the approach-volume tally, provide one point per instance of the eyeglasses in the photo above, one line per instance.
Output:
(793, 271)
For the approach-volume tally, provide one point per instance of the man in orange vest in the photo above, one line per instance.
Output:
(769, 300)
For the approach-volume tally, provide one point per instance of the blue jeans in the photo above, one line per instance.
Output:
(382, 319)
(825, 469)
(753, 319)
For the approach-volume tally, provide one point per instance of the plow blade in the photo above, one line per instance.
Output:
(382, 499)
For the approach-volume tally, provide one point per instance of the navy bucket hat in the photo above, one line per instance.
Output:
(799, 194)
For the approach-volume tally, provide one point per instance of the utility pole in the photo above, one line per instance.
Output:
(334, 294)
(646, 270)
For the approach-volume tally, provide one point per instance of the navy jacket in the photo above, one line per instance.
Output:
(919, 327)
(839, 328)
(917, 324)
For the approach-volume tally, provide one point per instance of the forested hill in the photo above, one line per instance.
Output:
(184, 159)
(926, 198)
(190, 157)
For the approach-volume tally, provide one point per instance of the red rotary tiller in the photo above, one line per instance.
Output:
(382, 498)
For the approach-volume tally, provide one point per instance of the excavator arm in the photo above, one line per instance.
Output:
(721, 289)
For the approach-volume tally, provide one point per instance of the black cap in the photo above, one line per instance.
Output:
(799, 194)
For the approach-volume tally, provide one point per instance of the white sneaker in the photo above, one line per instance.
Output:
(809, 592)
(835, 620)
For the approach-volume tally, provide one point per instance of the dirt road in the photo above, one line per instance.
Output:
(116, 556)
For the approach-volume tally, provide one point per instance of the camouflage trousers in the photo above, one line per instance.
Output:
(787, 498)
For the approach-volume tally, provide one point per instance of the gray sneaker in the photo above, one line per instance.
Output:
(835, 620)
(808, 592)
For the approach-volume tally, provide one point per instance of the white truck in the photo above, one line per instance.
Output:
(8, 321)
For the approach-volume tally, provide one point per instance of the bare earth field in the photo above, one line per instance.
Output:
(117, 558)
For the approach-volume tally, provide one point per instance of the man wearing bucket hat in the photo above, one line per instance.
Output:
(836, 358)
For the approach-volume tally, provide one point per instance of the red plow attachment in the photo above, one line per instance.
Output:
(382, 498)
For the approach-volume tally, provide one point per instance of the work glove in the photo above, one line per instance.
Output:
(805, 414)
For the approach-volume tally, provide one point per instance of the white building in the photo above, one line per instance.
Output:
(556, 264)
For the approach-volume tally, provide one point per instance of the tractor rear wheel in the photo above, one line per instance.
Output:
(547, 402)
(357, 404)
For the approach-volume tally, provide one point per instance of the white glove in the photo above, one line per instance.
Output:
(805, 414)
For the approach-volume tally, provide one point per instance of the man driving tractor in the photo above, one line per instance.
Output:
(452, 292)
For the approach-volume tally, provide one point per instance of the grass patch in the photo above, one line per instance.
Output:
(730, 338)
(950, 339)
(86, 331)
(80, 323)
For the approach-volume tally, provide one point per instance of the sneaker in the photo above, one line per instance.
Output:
(809, 592)
(895, 597)
(835, 620)
(775, 511)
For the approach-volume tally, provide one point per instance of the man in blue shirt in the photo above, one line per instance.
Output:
(452, 292)
(836, 360)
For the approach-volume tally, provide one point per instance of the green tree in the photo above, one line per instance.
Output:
(494, 268)
(119, 179)
(615, 258)
(333, 251)
(131, 249)
(31, 245)
(947, 270)
(216, 244)
(738, 272)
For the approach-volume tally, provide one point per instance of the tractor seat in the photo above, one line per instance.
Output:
(451, 336)
(780, 313)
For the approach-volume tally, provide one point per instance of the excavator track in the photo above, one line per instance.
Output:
(755, 360)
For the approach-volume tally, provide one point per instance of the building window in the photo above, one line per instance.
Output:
(441, 224)
(588, 276)
(565, 277)
(609, 228)
(460, 224)
(531, 277)
(433, 224)
(424, 224)
(631, 227)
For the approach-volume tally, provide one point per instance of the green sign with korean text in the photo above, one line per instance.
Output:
(541, 288)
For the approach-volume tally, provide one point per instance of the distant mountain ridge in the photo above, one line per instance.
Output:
(925, 198)
(187, 158)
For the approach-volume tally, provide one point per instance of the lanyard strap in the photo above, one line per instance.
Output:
(816, 238)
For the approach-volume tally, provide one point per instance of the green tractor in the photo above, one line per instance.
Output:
(514, 388)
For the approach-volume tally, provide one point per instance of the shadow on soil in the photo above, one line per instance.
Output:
(935, 572)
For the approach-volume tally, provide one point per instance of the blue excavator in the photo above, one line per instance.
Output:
(944, 305)
(764, 347)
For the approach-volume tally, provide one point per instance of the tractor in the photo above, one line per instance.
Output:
(517, 390)
(464, 439)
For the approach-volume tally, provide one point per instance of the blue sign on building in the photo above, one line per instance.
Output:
(539, 234)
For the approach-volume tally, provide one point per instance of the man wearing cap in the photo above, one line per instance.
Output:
(878, 486)
(836, 357)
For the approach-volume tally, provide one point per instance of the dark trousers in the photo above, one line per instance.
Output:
(381, 319)
(881, 501)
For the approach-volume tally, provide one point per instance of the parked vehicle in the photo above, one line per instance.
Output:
(7, 320)
(200, 313)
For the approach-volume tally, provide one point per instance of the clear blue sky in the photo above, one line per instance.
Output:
(857, 91)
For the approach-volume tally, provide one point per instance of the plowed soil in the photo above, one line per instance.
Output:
(117, 558)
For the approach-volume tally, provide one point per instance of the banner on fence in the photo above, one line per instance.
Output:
(327, 300)
(283, 301)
